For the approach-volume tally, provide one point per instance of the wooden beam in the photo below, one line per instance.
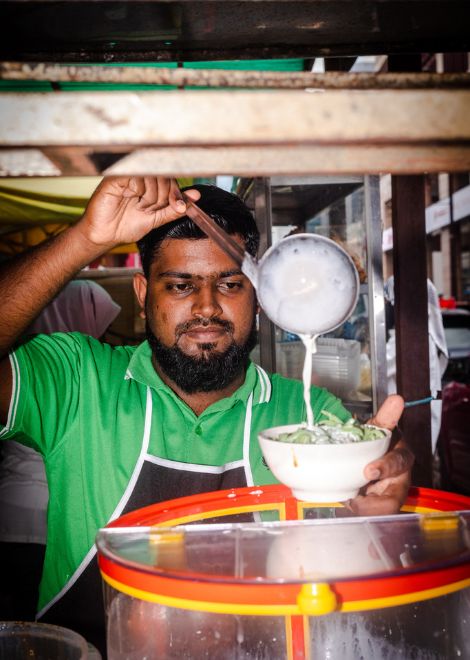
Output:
(244, 161)
(184, 77)
(295, 159)
(26, 162)
(380, 117)
(69, 159)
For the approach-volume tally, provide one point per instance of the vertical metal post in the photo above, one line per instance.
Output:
(411, 317)
(411, 303)
(263, 214)
(375, 290)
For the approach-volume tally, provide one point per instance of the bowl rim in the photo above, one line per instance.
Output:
(288, 427)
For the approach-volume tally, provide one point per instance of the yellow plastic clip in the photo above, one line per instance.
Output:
(439, 522)
(160, 537)
(316, 599)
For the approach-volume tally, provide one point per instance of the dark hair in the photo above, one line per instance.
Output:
(224, 207)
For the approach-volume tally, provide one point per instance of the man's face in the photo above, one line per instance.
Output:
(200, 311)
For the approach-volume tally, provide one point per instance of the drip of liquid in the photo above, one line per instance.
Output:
(310, 343)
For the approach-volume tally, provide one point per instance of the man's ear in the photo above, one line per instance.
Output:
(140, 288)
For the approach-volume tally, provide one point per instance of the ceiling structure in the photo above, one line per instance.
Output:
(164, 31)
(243, 134)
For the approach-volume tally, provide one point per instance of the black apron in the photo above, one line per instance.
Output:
(80, 606)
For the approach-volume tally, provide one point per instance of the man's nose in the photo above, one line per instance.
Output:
(206, 303)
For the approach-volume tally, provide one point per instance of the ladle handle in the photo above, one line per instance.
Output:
(209, 227)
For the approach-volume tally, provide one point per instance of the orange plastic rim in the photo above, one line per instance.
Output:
(365, 593)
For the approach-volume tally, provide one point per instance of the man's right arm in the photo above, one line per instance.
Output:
(121, 210)
(28, 283)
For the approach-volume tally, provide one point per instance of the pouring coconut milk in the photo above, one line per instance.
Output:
(307, 284)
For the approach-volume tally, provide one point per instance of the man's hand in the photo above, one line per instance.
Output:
(390, 476)
(124, 209)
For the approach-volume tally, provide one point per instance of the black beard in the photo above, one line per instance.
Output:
(211, 372)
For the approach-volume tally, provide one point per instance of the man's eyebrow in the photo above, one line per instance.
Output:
(176, 274)
(187, 276)
(231, 273)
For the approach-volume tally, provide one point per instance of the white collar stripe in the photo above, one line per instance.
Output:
(262, 384)
(268, 387)
(265, 395)
(15, 391)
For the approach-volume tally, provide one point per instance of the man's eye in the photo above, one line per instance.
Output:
(179, 287)
(230, 286)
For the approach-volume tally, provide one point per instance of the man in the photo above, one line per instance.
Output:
(123, 427)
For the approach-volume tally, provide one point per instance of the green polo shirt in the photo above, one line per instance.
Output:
(93, 411)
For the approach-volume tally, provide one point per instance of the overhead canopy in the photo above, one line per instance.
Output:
(31, 209)
(29, 202)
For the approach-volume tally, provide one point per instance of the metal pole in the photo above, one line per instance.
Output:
(267, 340)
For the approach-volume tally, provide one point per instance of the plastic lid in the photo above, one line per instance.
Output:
(367, 562)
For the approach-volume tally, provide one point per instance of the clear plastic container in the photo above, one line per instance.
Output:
(335, 365)
(352, 588)
(41, 641)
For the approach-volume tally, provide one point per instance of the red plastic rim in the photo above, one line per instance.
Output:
(372, 588)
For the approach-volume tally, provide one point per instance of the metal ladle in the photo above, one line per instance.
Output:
(297, 281)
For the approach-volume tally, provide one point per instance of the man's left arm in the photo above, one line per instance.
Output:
(389, 476)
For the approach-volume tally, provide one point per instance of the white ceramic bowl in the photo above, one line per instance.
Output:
(320, 473)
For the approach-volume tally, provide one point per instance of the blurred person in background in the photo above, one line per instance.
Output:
(438, 353)
(82, 306)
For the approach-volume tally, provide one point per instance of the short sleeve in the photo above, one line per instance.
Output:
(45, 390)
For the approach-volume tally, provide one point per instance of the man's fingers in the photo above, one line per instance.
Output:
(396, 462)
(374, 505)
(167, 193)
(193, 194)
(149, 196)
(175, 198)
(381, 498)
(156, 194)
(121, 186)
(389, 413)
(133, 186)
(162, 216)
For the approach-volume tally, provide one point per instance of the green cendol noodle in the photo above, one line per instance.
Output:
(332, 431)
